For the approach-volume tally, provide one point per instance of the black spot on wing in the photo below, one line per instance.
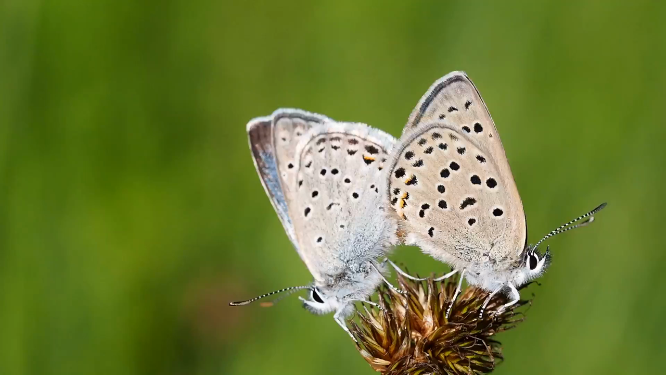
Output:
(372, 149)
(467, 202)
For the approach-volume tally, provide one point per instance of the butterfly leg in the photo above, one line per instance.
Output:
(447, 276)
(375, 304)
(487, 301)
(403, 273)
(513, 295)
(395, 289)
(341, 322)
(455, 295)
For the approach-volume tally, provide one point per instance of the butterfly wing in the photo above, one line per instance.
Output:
(455, 98)
(292, 125)
(450, 181)
(337, 202)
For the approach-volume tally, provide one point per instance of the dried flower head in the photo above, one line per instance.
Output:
(412, 335)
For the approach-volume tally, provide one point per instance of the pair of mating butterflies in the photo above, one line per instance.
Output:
(344, 190)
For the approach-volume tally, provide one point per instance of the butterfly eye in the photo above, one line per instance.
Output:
(534, 261)
(316, 297)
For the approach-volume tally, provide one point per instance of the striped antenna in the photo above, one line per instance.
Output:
(565, 227)
(249, 301)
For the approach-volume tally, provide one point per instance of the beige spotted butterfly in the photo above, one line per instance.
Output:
(323, 178)
(451, 188)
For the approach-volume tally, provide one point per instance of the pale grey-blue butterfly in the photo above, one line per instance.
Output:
(324, 179)
(451, 188)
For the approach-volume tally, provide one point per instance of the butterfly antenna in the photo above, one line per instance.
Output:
(566, 227)
(288, 290)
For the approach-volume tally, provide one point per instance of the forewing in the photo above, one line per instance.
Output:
(451, 197)
(337, 208)
(292, 124)
(454, 98)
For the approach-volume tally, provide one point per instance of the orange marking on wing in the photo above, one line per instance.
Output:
(403, 201)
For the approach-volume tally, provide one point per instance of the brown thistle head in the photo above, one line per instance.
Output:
(412, 335)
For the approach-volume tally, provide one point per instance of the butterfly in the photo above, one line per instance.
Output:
(451, 188)
(324, 179)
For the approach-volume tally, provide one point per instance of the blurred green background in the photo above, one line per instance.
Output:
(131, 213)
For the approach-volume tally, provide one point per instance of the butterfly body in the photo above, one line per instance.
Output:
(452, 190)
(323, 178)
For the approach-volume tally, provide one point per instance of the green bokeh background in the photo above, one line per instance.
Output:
(131, 213)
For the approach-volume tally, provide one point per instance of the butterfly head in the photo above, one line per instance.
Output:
(533, 264)
(338, 295)
(320, 302)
